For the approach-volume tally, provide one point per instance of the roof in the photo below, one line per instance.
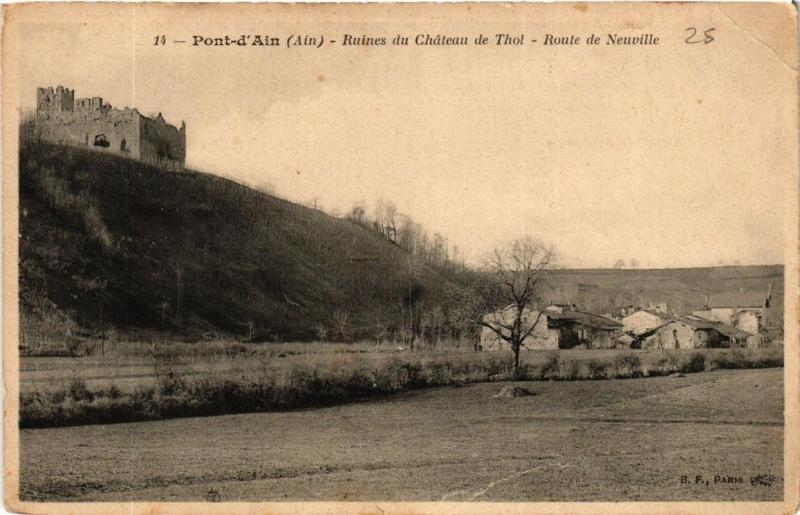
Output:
(573, 316)
(587, 319)
(648, 311)
(742, 300)
(708, 325)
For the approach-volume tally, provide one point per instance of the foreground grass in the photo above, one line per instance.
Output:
(305, 386)
(577, 440)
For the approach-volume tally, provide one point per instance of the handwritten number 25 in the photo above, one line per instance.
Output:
(706, 38)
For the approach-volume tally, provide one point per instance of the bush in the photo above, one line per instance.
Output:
(78, 391)
(697, 362)
(550, 366)
(113, 392)
(170, 383)
(627, 364)
(142, 394)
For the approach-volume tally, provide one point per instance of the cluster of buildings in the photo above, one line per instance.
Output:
(725, 322)
(90, 123)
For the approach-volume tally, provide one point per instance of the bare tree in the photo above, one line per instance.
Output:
(358, 213)
(341, 323)
(385, 218)
(436, 319)
(379, 328)
(518, 274)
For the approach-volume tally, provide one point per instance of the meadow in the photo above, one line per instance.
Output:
(185, 380)
(610, 440)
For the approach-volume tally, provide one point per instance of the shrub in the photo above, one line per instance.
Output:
(58, 396)
(78, 391)
(627, 364)
(113, 392)
(170, 383)
(550, 366)
(73, 346)
(596, 369)
(142, 394)
(696, 362)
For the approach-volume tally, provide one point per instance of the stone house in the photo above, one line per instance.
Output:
(692, 333)
(542, 337)
(564, 329)
(744, 311)
(642, 321)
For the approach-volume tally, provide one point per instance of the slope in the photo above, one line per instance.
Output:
(108, 243)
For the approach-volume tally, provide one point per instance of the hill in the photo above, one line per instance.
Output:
(111, 244)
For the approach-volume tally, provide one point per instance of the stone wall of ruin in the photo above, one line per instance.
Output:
(162, 144)
(119, 128)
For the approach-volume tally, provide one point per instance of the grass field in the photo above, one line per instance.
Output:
(218, 387)
(127, 368)
(127, 365)
(611, 440)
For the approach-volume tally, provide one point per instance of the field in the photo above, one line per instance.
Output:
(64, 393)
(129, 365)
(629, 439)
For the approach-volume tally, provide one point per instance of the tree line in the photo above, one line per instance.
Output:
(384, 219)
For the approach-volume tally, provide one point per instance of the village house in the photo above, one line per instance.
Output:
(580, 329)
(744, 311)
(541, 336)
(658, 308)
(555, 329)
(641, 322)
(620, 312)
(561, 307)
(693, 333)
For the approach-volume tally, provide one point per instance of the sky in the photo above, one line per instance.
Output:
(671, 156)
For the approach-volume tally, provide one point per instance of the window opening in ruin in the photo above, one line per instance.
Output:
(101, 141)
(122, 145)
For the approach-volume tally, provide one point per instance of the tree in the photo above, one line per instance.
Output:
(619, 264)
(357, 213)
(385, 219)
(341, 324)
(437, 320)
(517, 272)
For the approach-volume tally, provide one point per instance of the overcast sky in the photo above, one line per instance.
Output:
(605, 152)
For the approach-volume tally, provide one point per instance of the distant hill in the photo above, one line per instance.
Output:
(110, 244)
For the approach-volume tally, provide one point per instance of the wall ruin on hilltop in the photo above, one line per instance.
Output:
(91, 123)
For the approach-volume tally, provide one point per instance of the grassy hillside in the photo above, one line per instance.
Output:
(112, 244)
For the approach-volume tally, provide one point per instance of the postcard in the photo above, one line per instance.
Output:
(400, 258)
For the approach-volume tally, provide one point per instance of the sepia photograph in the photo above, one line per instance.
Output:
(355, 257)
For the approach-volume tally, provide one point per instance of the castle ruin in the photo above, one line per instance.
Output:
(90, 123)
